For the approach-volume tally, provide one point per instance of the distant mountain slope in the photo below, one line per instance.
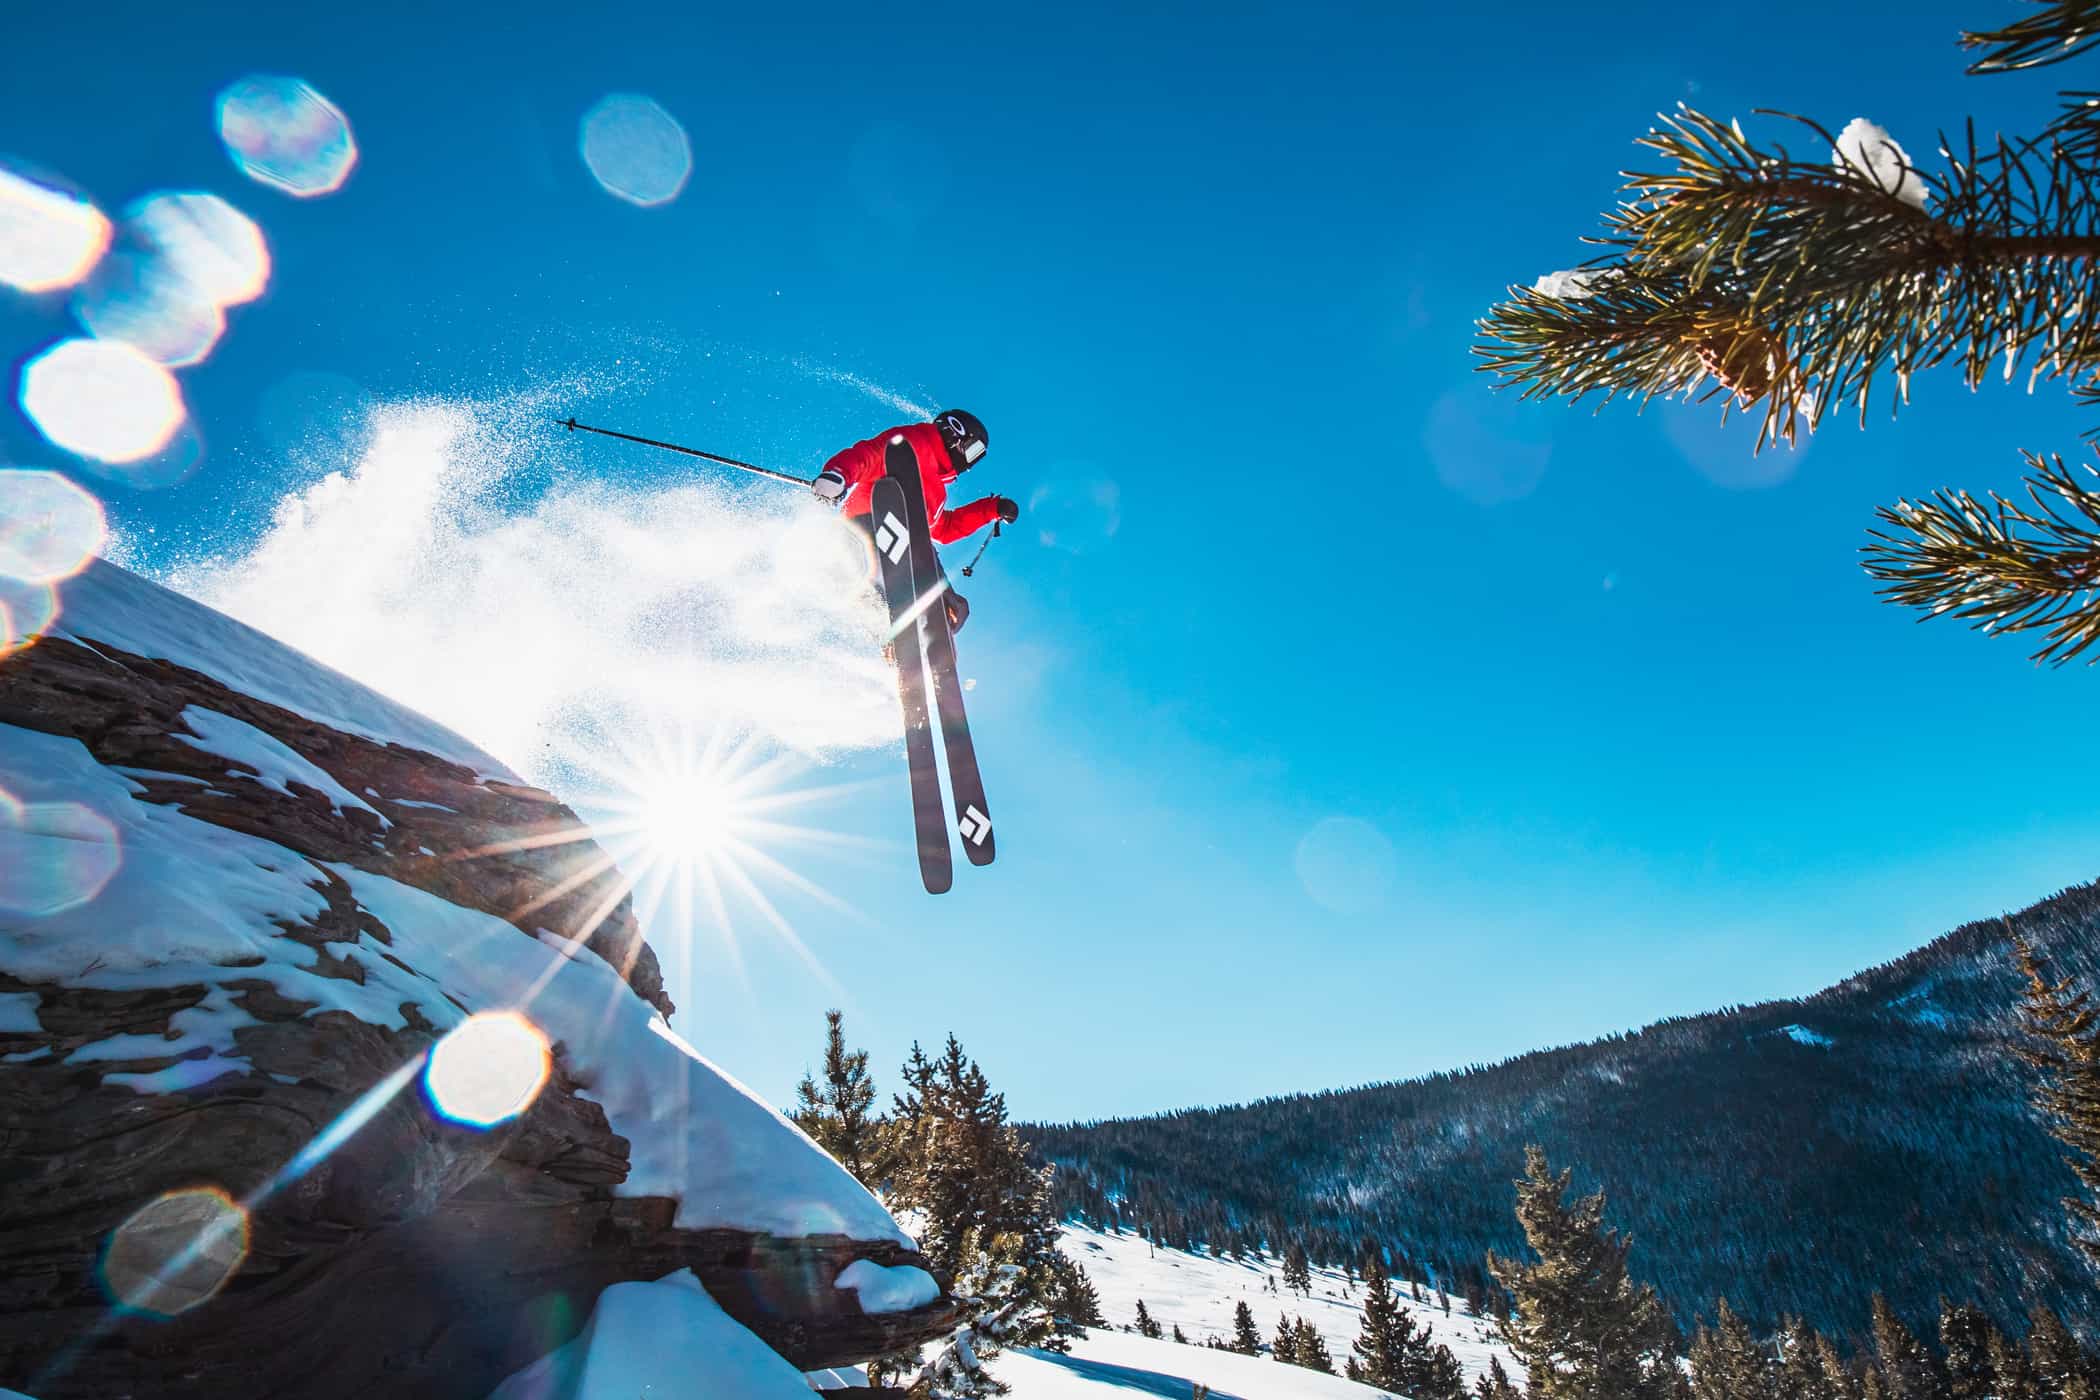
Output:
(1792, 1156)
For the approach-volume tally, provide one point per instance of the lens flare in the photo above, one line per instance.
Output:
(1075, 516)
(636, 150)
(488, 1069)
(1346, 865)
(102, 399)
(54, 856)
(27, 611)
(138, 300)
(176, 1252)
(210, 244)
(282, 133)
(48, 239)
(49, 528)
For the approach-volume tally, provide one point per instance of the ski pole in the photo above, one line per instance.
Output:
(575, 427)
(971, 567)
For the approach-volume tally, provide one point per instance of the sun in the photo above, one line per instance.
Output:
(689, 814)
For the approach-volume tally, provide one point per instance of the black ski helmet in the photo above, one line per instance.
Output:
(964, 435)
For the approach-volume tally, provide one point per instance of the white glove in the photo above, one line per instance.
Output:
(829, 486)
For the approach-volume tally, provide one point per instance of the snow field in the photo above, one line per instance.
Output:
(1199, 1293)
(1119, 1366)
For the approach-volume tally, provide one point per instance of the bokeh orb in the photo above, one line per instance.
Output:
(54, 856)
(145, 303)
(1487, 447)
(49, 528)
(1074, 516)
(1725, 452)
(1346, 865)
(102, 399)
(207, 242)
(279, 131)
(27, 611)
(48, 239)
(176, 1252)
(488, 1069)
(636, 150)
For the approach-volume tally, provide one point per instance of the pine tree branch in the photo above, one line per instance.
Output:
(1796, 283)
(1997, 564)
(2059, 30)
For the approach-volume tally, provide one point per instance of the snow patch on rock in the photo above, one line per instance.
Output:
(663, 1338)
(18, 1012)
(694, 1133)
(273, 763)
(887, 1290)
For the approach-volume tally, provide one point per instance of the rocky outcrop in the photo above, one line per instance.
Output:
(414, 1256)
(490, 845)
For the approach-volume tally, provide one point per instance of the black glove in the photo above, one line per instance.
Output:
(958, 610)
(1009, 509)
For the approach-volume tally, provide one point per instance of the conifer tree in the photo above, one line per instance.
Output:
(1793, 285)
(1728, 1363)
(1284, 1347)
(1906, 1366)
(1073, 1299)
(1377, 1353)
(986, 1212)
(1581, 1327)
(1494, 1383)
(1179, 1335)
(2064, 1047)
(1147, 1325)
(1809, 1367)
(1001, 1312)
(836, 1113)
(1309, 1348)
(1967, 1338)
(1246, 1337)
(1297, 1270)
(1440, 1376)
(2011, 1371)
(2060, 1366)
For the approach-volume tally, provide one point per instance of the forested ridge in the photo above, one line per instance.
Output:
(1792, 1156)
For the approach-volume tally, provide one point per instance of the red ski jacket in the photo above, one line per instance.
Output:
(862, 465)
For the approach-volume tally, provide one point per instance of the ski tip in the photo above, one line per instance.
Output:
(938, 881)
(984, 854)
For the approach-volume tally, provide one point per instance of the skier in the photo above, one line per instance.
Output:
(950, 445)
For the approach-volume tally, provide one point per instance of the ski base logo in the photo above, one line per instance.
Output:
(891, 538)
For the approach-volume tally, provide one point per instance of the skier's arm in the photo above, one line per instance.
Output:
(965, 520)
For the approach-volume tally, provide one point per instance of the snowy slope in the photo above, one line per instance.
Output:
(1116, 1366)
(119, 609)
(1198, 1293)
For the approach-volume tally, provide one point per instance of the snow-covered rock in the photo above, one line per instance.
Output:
(656, 1339)
(231, 930)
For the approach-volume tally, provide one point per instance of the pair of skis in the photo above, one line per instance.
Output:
(915, 588)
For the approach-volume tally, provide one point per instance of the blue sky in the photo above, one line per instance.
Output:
(1618, 698)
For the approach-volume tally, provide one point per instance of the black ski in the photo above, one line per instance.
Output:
(889, 522)
(973, 815)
